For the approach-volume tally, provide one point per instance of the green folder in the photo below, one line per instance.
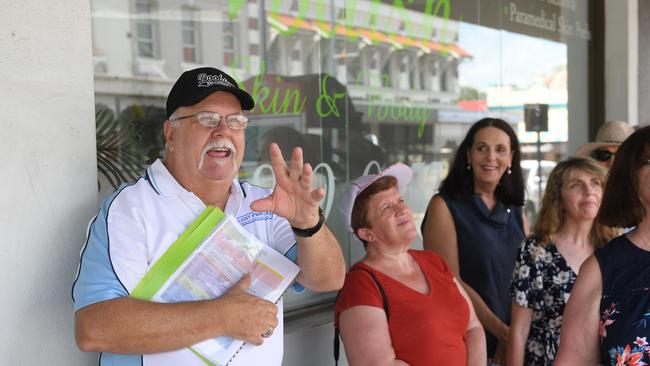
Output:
(177, 253)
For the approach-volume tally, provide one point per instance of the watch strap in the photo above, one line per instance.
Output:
(306, 233)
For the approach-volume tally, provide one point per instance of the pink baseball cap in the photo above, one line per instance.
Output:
(400, 171)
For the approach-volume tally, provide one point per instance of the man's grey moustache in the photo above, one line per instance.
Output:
(220, 144)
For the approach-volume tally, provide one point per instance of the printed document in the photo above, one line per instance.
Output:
(216, 264)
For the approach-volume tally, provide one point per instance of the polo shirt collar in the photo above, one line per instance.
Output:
(166, 185)
(162, 181)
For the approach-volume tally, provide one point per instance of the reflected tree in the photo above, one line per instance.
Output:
(118, 158)
(147, 122)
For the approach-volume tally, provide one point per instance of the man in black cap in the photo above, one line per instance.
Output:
(204, 133)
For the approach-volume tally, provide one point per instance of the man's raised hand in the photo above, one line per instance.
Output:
(293, 197)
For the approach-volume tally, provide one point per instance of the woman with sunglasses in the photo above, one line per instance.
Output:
(610, 135)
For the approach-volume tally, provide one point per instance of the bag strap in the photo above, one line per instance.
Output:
(384, 300)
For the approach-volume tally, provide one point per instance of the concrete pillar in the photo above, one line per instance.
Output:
(621, 60)
(48, 190)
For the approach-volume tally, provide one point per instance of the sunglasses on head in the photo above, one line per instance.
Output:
(602, 155)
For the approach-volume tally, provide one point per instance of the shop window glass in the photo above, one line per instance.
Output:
(391, 81)
(190, 35)
(228, 36)
(144, 27)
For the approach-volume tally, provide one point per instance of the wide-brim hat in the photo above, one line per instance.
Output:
(195, 85)
(400, 171)
(611, 133)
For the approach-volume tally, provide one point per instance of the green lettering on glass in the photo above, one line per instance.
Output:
(401, 112)
(273, 106)
(382, 113)
(396, 112)
(401, 10)
(430, 11)
(276, 6)
(260, 92)
(422, 115)
(443, 28)
(319, 6)
(373, 11)
(427, 26)
(290, 98)
(292, 101)
(234, 7)
(329, 100)
(359, 79)
(303, 7)
(421, 130)
(350, 13)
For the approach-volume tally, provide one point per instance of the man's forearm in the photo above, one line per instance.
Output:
(128, 325)
(322, 267)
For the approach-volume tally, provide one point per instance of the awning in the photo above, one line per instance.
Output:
(284, 23)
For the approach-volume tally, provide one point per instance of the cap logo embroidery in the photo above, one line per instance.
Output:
(209, 80)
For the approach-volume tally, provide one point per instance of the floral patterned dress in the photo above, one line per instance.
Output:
(542, 281)
(625, 303)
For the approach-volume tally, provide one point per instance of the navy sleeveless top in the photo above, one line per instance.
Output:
(487, 250)
(625, 303)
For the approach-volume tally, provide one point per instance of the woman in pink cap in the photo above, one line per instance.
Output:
(400, 306)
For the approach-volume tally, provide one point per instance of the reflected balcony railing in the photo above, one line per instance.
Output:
(149, 67)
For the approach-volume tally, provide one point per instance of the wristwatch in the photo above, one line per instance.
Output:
(306, 233)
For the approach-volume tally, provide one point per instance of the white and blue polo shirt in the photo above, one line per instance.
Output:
(135, 226)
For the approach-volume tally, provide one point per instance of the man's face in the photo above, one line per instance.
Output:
(201, 153)
(390, 219)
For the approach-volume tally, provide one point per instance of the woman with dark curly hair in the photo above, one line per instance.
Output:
(607, 319)
(548, 261)
(476, 223)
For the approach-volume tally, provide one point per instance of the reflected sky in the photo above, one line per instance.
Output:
(505, 58)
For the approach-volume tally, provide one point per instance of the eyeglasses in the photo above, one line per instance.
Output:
(212, 120)
(602, 155)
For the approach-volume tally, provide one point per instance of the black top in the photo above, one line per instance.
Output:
(487, 248)
(625, 303)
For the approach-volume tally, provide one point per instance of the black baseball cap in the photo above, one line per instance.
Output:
(195, 85)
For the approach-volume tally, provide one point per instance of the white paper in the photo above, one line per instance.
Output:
(221, 260)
